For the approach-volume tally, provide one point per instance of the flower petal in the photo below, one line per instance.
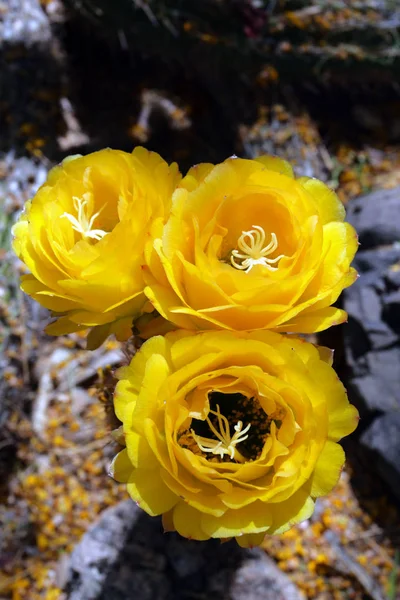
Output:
(121, 467)
(150, 492)
(327, 469)
(187, 522)
(329, 206)
(274, 163)
(254, 518)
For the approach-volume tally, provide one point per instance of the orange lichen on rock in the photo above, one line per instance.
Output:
(64, 488)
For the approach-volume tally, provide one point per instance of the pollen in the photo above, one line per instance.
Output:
(83, 223)
(252, 250)
(225, 443)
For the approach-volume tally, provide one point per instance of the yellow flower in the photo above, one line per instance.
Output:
(83, 234)
(230, 434)
(247, 246)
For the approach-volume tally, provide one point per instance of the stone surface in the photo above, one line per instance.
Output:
(126, 556)
(372, 336)
(376, 218)
(98, 551)
(31, 84)
(23, 21)
(258, 577)
(380, 439)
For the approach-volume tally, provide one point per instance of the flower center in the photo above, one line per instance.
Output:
(225, 443)
(83, 223)
(253, 252)
(218, 437)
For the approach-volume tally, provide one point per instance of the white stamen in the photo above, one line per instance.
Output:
(226, 443)
(252, 250)
(83, 224)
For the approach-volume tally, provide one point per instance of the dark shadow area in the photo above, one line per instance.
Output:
(31, 86)
(371, 490)
(360, 113)
(105, 87)
(366, 361)
(150, 564)
(184, 569)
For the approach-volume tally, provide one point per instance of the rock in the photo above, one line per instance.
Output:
(94, 556)
(259, 577)
(80, 400)
(20, 179)
(126, 556)
(376, 218)
(380, 441)
(24, 22)
(372, 336)
(30, 84)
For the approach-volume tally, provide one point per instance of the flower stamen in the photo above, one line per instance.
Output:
(82, 223)
(253, 252)
(224, 444)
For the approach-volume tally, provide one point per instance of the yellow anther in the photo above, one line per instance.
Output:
(224, 444)
(82, 223)
(253, 252)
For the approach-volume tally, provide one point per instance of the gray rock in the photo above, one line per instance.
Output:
(372, 336)
(23, 21)
(99, 549)
(258, 578)
(126, 556)
(380, 440)
(376, 218)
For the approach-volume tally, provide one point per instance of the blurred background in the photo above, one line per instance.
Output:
(313, 81)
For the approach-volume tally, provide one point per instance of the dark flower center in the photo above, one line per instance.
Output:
(235, 430)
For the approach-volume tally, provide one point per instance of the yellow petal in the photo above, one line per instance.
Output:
(125, 395)
(196, 175)
(136, 370)
(164, 299)
(329, 206)
(342, 416)
(273, 163)
(342, 422)
(200, 499)
(314, 322)
(254, 518)
(94, 280)
(295, 509)
(149, 491)
(156, 372)
(250, 540)
(62, 326)
(327, 470)
(187, 522)
(121, 467)
(139, 451)
(49, 299)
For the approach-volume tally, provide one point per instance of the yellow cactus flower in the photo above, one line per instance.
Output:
(248, 246)
(230, 434)
(82, 238)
